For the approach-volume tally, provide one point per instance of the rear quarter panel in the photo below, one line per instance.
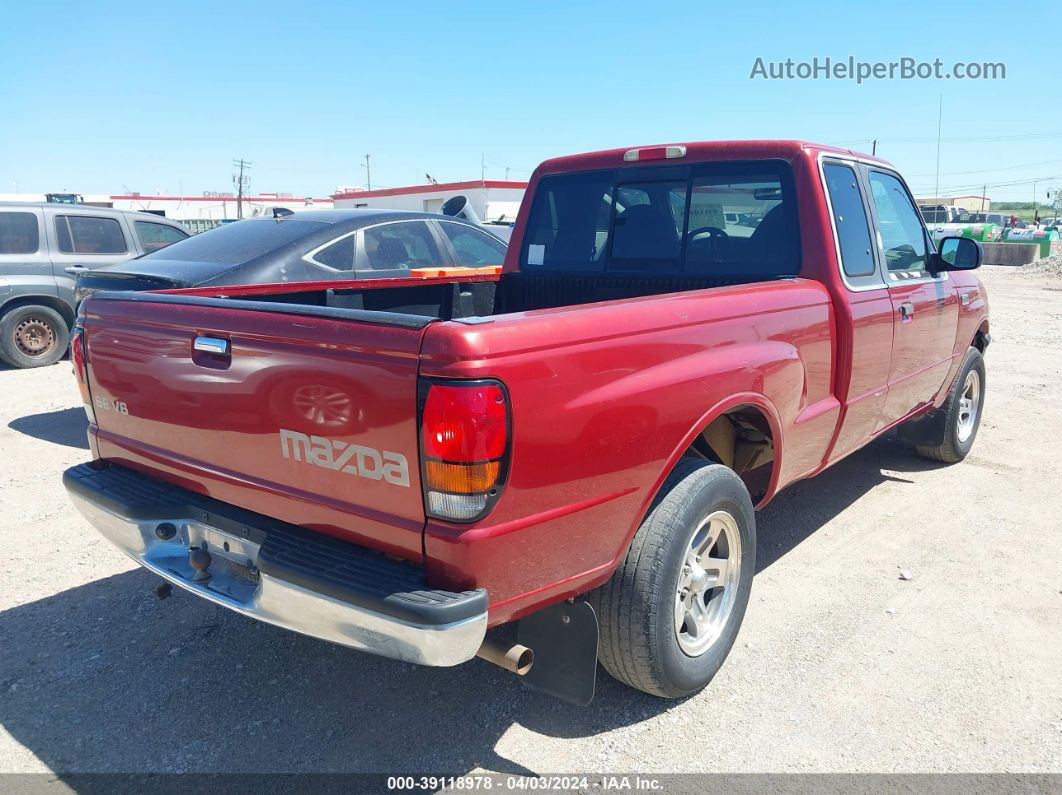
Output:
(605, 397)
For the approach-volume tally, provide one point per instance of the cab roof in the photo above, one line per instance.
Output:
(698, 151)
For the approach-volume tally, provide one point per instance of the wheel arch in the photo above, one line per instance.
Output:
(981, 336)
(62, 307)
(701, 443)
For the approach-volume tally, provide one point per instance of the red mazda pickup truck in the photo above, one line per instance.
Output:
(551, 466)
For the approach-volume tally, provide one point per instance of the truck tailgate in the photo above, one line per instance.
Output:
(311, 419)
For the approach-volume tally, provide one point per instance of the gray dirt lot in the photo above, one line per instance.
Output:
(840, 666)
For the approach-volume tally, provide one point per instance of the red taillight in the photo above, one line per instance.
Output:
(464, 424)
(464, 438)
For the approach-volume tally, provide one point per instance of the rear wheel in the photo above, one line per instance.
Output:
(673, 608)
(33, 336)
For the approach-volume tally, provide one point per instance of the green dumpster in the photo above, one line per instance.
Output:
(1043, 237)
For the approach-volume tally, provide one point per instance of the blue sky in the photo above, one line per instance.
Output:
(160, 97)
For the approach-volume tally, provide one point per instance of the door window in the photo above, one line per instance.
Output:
(850, 218)
(155, 236)
(903, 239)
(407, 244)
(83, 234)
(19, 233)
(474, 249)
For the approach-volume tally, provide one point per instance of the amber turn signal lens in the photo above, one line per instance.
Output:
(461, 478)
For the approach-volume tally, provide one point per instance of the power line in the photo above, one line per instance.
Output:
(987, 170)
(506, 166)
(1010, 184)
(959, 139)
(241, 182)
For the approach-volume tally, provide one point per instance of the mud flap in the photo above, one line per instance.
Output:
(564, 639)
(928, 430)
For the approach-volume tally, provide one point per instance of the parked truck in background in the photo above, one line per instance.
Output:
(553, 466)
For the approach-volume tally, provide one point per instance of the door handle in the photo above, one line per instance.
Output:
(74, 270)
(211, 345)
(906, 310)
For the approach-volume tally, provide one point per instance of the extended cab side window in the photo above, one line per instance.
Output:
(903, 240)
(84, 234)
(850, 219)
(19, 233)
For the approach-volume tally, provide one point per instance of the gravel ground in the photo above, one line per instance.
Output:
(841, 665)
(1046, 268)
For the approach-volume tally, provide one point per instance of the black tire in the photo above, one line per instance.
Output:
(956, 443)
(33, 336)
(637, 607)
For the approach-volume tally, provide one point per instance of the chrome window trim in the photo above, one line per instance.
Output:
(309, 256)
(880, 283)
(468, 225)
(881, 271)
(895, 279)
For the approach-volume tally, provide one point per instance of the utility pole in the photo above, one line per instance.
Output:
(874, 147)
(368, 173)
(482, 167)
(940, 121)
(984, 192)
(240, 181)
(506, 173)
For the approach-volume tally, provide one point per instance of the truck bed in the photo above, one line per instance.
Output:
(332, 367)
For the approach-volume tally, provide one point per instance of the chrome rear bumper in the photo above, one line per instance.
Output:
(377, 605)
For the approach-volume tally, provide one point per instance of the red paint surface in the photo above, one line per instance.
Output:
(604, 397)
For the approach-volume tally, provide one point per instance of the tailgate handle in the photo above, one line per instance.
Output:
(211, 345)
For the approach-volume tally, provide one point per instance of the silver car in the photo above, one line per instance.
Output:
(42, 249)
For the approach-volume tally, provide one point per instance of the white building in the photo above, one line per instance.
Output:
(214, 208)
(217, 207)
(490, 199)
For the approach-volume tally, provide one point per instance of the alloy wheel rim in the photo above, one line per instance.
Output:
(707, 583)
(969, 406)
(35, 336)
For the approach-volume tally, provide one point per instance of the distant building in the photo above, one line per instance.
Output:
(213, 207)
(975, 204)
(490, 199)
(220, 207)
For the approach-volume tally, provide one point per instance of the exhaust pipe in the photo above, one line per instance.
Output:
(510, 656)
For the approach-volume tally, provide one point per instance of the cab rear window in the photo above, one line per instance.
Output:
(735, 219)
